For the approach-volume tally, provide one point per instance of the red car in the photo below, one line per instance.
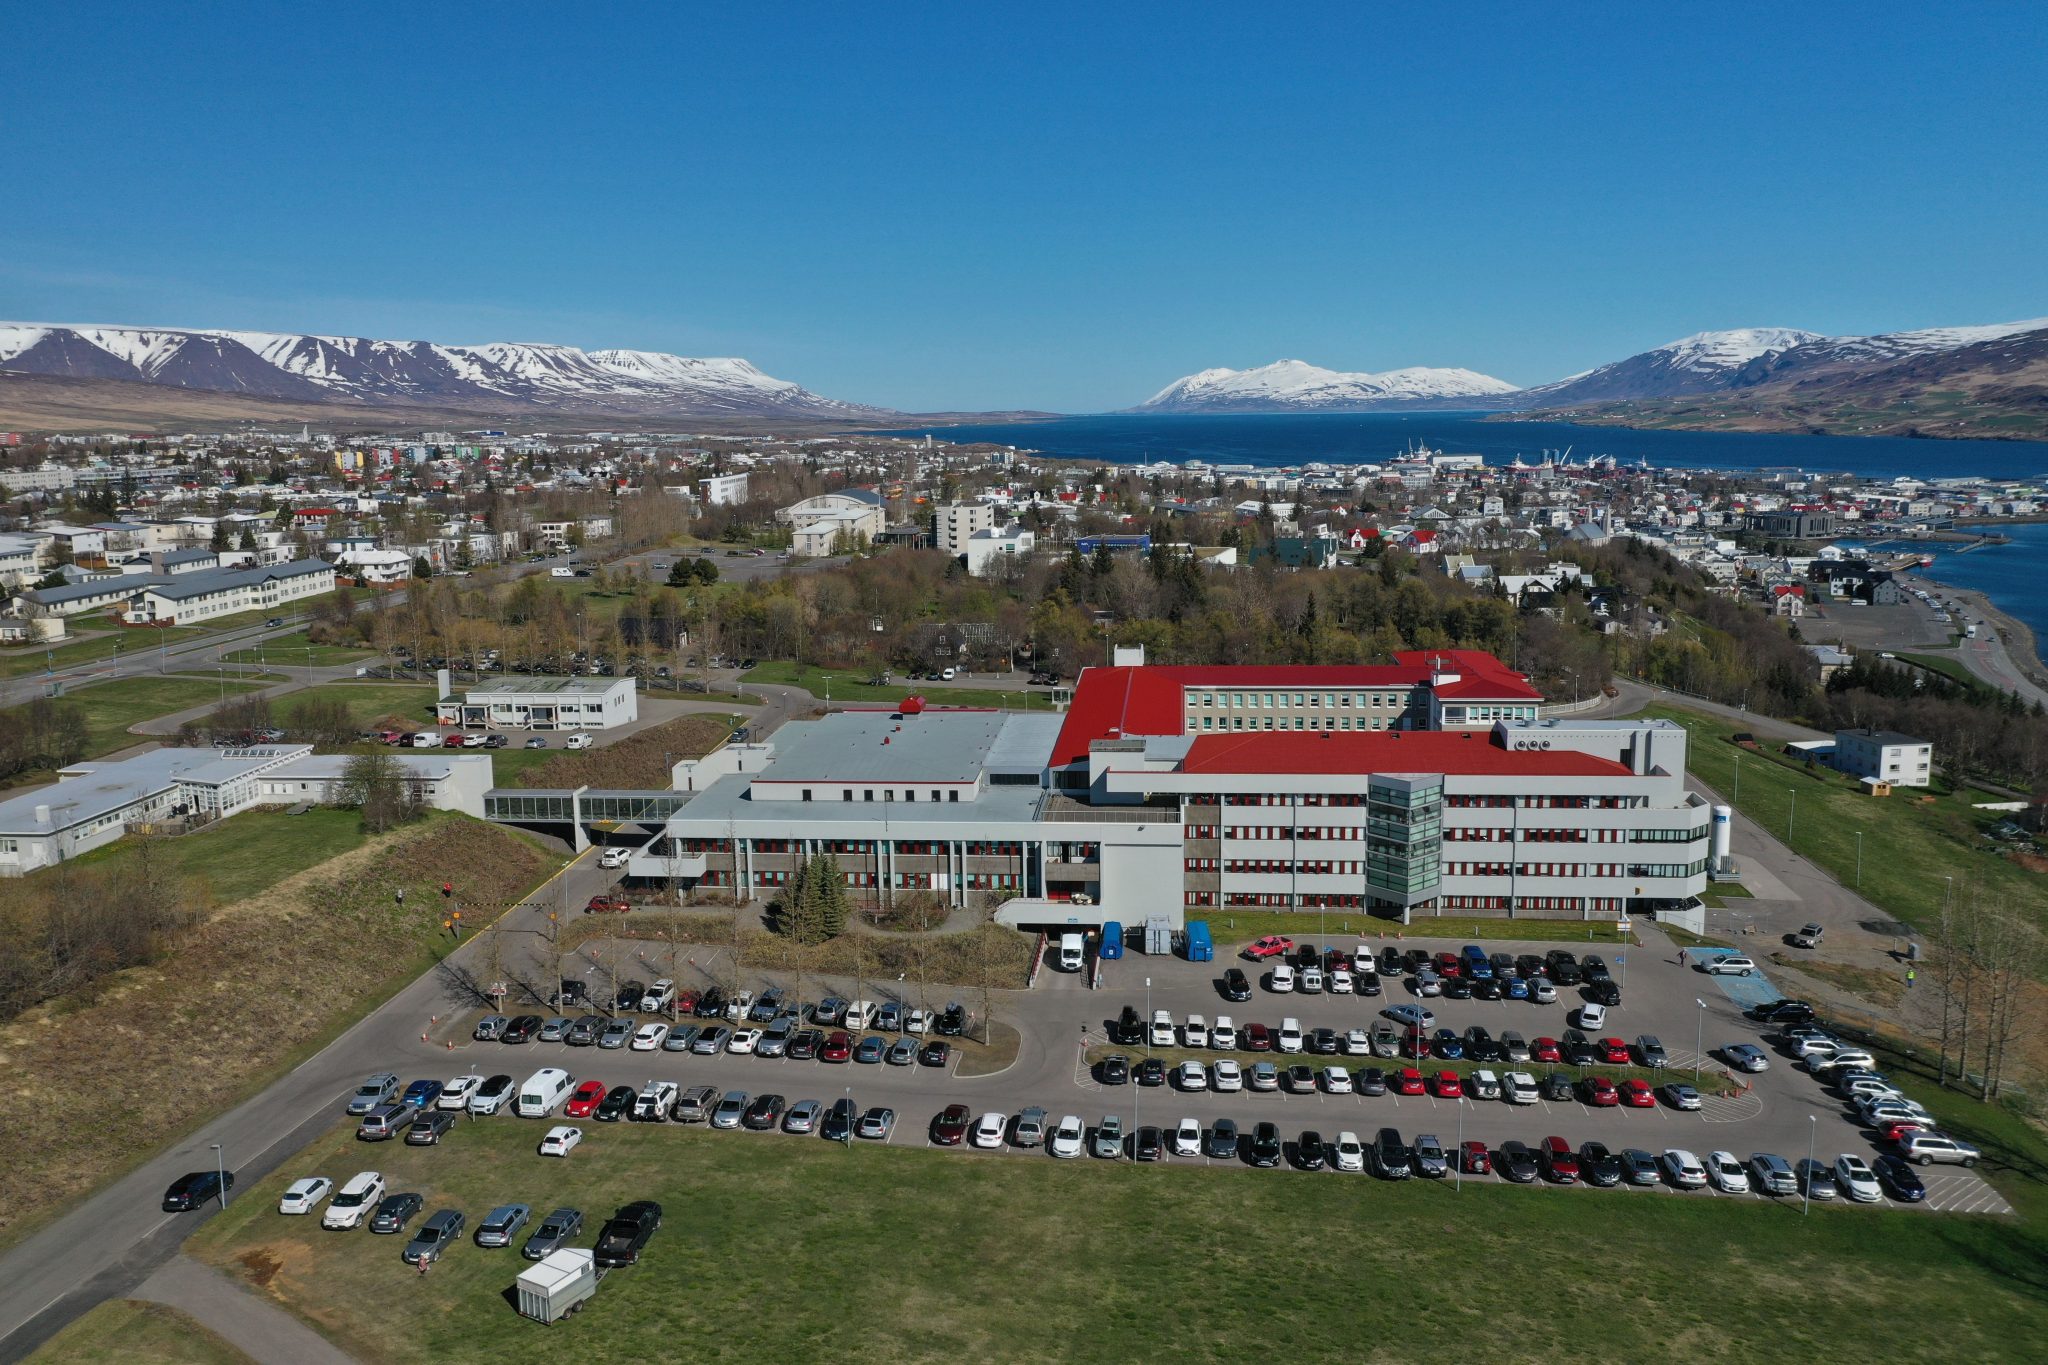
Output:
(584, 1102)
(1897, 1132)
(949, 1128)
(602, 904)
(451, 741)
(686, 1002)
(1408, 1082)
(1445, 1085)
(1545, 1050)
(838, 1047)
(1449, 964)
(1614, 1051)
(1638, 1095)
(1598, 1092)
(1475, 1159)
(1258, 1038)
(1560, 1162)
(1273, 945)
(1416, 1044)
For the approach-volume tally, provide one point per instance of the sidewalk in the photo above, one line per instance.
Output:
(247, 1321)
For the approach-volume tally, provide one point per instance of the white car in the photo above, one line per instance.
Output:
(1856, 1178)
(561, 1140)
(1311, 981)
(1684, 1170)
(737, 1007)
(1224, 1036)
(1196, 1031)
(303, 1196)
(353, 1201)
(1542, 991)
(1281, 980)
(1066, 1137)
(1728, 1175)
(614, 857)
(1349, 1152)
(1336, 1080)
(1187, 1138)
(1288, 1039)
(1190, 1075)
(1340, 982)
(1878, 1113)
(743, 1040)
(1162, 1028)
(649, 1037)
(659, 997)
(656, 1101)
(920, 1021)
(1816, 1045)
(1734, 964)
(1519, 1087)
(1592, 1017)
(455, 1094)
(1226, 1077)
(579, 742)
(1357, 1043)
(1848, 1058)
(988, 1130)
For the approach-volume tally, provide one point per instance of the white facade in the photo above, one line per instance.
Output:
(444, 780)
(182, 599)
(987, 550)
(722, 490)
(956, 521)
(544, 704)
(378, 568)
(1885, 756)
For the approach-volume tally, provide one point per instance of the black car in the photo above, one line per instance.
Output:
(1784, 1012)
(1151, 1071)
(1391, 1159)
(553, 1234)
(1369, 1080)
(1486, 988)
(191, 1191)
(1480, 1047)
(1236, 985)
(1309, 1150)
(935, 1053)
(1598, 1166)
(617, 1103)
(1578, 1049)
(1562, 967)
(394, 1211)
(1516, 1162)
(804, 1046)
(429, 1128)
(626, 1232)
(1127, 1030)
(522, 1029)
(839, 1120)
(764, 1114)
(1593, 968)
(1529, 966)
(571, 992)
(1603, 993)
(1304, 955)
(1900, 1181)
(1220, 1142)
(1148, 1144)
(1417, 959)
(1264, 1149)
(952, 1020)
(626, 999)
(1324, 1042)
(1557, 1087)
(1115, 1069)
(710, 1005)
(1366, 984)
(1456, 988)
(1392, 960)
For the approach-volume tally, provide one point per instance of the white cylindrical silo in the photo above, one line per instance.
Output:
(1724, 829)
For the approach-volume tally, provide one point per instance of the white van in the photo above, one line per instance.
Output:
(1071, 952)
(860, 1015)
(542, 1091)
(559, 572)
(426, 739)
(353, 1201)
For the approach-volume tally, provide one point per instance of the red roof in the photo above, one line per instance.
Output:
(1113, 703)
(1391, 751)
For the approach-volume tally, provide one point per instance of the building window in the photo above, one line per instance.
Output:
(807, 793)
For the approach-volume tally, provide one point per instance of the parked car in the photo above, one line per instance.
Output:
(435, 1236)
(428, 1129)
(1900, 1181)
(553, 1233)
(393, 1212)
(561, 1140)
(626, 1233)
(303, 1196)
(502, 1224)
(1264, 1149)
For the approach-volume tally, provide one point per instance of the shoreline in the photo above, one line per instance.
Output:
(2021, 644)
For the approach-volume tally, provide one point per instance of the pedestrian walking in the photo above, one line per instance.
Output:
(1910, 975)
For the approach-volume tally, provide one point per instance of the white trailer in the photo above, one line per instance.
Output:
(556, 1286)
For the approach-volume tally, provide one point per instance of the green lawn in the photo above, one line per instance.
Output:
(135, 1332)
(1232, 929)
(1946, 666)
(111, 707)
(292, 649)
(507, 764)
(16, 661)
(778, 1247)
(852, 686)
(250, 853)
(1908, 848)
(369, 701)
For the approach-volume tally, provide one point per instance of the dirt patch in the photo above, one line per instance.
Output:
(1880, 987)
(259, 982)
(2032, 862)
(639, 762)
(1002, 955)
(259, 1266)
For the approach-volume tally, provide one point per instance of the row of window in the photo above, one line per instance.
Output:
(1209, 723)
(889, 794)
(1238, 701)
(1533, 869)
(1537, 802)
(1503, 834)
(1667, 836)
(1577, 904)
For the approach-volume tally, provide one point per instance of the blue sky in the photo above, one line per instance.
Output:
(1061, 208)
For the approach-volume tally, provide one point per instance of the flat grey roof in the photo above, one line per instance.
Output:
(524, 686)
(108, 787)
(1880, 737)
(728, 799)
(1025, 743)
(884, 746)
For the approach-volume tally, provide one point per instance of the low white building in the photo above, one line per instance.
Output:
(181, 599)
(444, 780)
(988, 549)
(1885, 756)
(377, 568)
(523, 703)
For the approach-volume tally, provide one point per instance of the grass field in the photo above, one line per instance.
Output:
(1946, 666)
(1908, 848)
(1232, 929)
(292, 650)
(131, 1330)
(850, 686)
(15, 661)
(368, 702)
(776, 1246)
(251, 853)
(110, 708)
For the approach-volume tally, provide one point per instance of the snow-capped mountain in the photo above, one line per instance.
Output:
(1832, 354)
(1296, 386)
(491, 377)
(1694, 364)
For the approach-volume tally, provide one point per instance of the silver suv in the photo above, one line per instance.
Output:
(381, 1088)
(1772, 1174)
(1927, 1147)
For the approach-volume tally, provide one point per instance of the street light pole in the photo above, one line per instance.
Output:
(1859, 860)
(1699, 1039)
(1791, 811)
(1738, 781)
(220, 1174)
(1806, 1177)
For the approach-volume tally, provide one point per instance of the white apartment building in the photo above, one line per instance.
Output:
(1885, 756)
(182, 599)
(991, 547)
(957, 521)
(720, 490)
(524, 703)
